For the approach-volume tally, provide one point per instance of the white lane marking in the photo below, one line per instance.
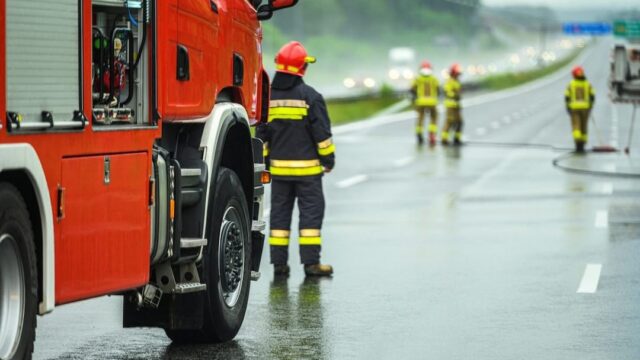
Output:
(495, 125)
(506, 120)
(602, 219)
(590, 279)
(354, 180)
(266, 213)
(404, 161)
(481, 131)
(607, 188)
(614, 126)
(473, 101)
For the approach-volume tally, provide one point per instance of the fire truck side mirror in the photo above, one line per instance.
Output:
(282, 4)
(265, 12)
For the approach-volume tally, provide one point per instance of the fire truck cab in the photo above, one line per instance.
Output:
(127, 165)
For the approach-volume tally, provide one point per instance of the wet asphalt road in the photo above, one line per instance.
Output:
(440, 253)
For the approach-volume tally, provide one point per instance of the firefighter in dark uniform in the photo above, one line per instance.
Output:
(297, 142)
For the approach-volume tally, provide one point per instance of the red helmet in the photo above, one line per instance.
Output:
(425, 68)
(455, 70)
(577, 71)
(293, 59)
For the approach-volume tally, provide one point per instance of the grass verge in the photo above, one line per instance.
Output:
(342, 112)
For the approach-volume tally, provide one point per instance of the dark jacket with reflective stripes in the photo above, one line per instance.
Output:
(297, 137)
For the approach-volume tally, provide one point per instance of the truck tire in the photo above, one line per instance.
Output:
(226, 265)
(18, 277)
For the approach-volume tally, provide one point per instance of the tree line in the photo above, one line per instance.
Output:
(377, 18)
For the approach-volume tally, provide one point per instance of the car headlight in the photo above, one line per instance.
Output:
(369, 83)
(349, 83)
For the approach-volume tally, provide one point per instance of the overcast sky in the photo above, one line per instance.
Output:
(568, 3)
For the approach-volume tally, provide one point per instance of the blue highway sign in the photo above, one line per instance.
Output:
(587, 28)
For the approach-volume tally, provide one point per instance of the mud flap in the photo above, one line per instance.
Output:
(257, 245)
(176, 312)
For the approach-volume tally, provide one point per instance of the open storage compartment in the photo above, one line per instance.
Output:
(120, 76)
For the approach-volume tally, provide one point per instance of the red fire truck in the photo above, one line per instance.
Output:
(127, 164)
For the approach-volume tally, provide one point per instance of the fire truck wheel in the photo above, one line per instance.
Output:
(18, 277)
(226, 264)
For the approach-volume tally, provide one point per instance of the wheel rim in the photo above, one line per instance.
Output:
(232, 258)
(12, 296)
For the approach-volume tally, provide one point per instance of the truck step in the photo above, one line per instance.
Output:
(258, 225)
(190, 176)
(185, 288)
(190, 243)
(191, 196)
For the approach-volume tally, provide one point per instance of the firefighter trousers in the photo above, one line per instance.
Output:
(454, 123)
(311, 205)
(422, 114)
(579, 124)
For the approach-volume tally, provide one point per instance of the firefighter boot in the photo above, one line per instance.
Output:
(432, 139)
(420, 139)
(433, 133)
(580, 147)
(445, 138)
(318, 270)
(281, 270)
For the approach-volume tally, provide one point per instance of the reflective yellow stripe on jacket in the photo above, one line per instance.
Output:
(579, 93)
(296, 167)
(288, 110)
(426, 91)
(326, 148)
(452, 93)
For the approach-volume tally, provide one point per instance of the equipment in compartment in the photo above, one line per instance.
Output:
(118, 48)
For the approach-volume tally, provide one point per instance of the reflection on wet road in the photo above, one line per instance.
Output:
(296, 320)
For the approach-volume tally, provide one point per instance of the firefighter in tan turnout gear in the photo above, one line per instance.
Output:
(297, 141)
(425, 91)
(579, 98)
(452, 93)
